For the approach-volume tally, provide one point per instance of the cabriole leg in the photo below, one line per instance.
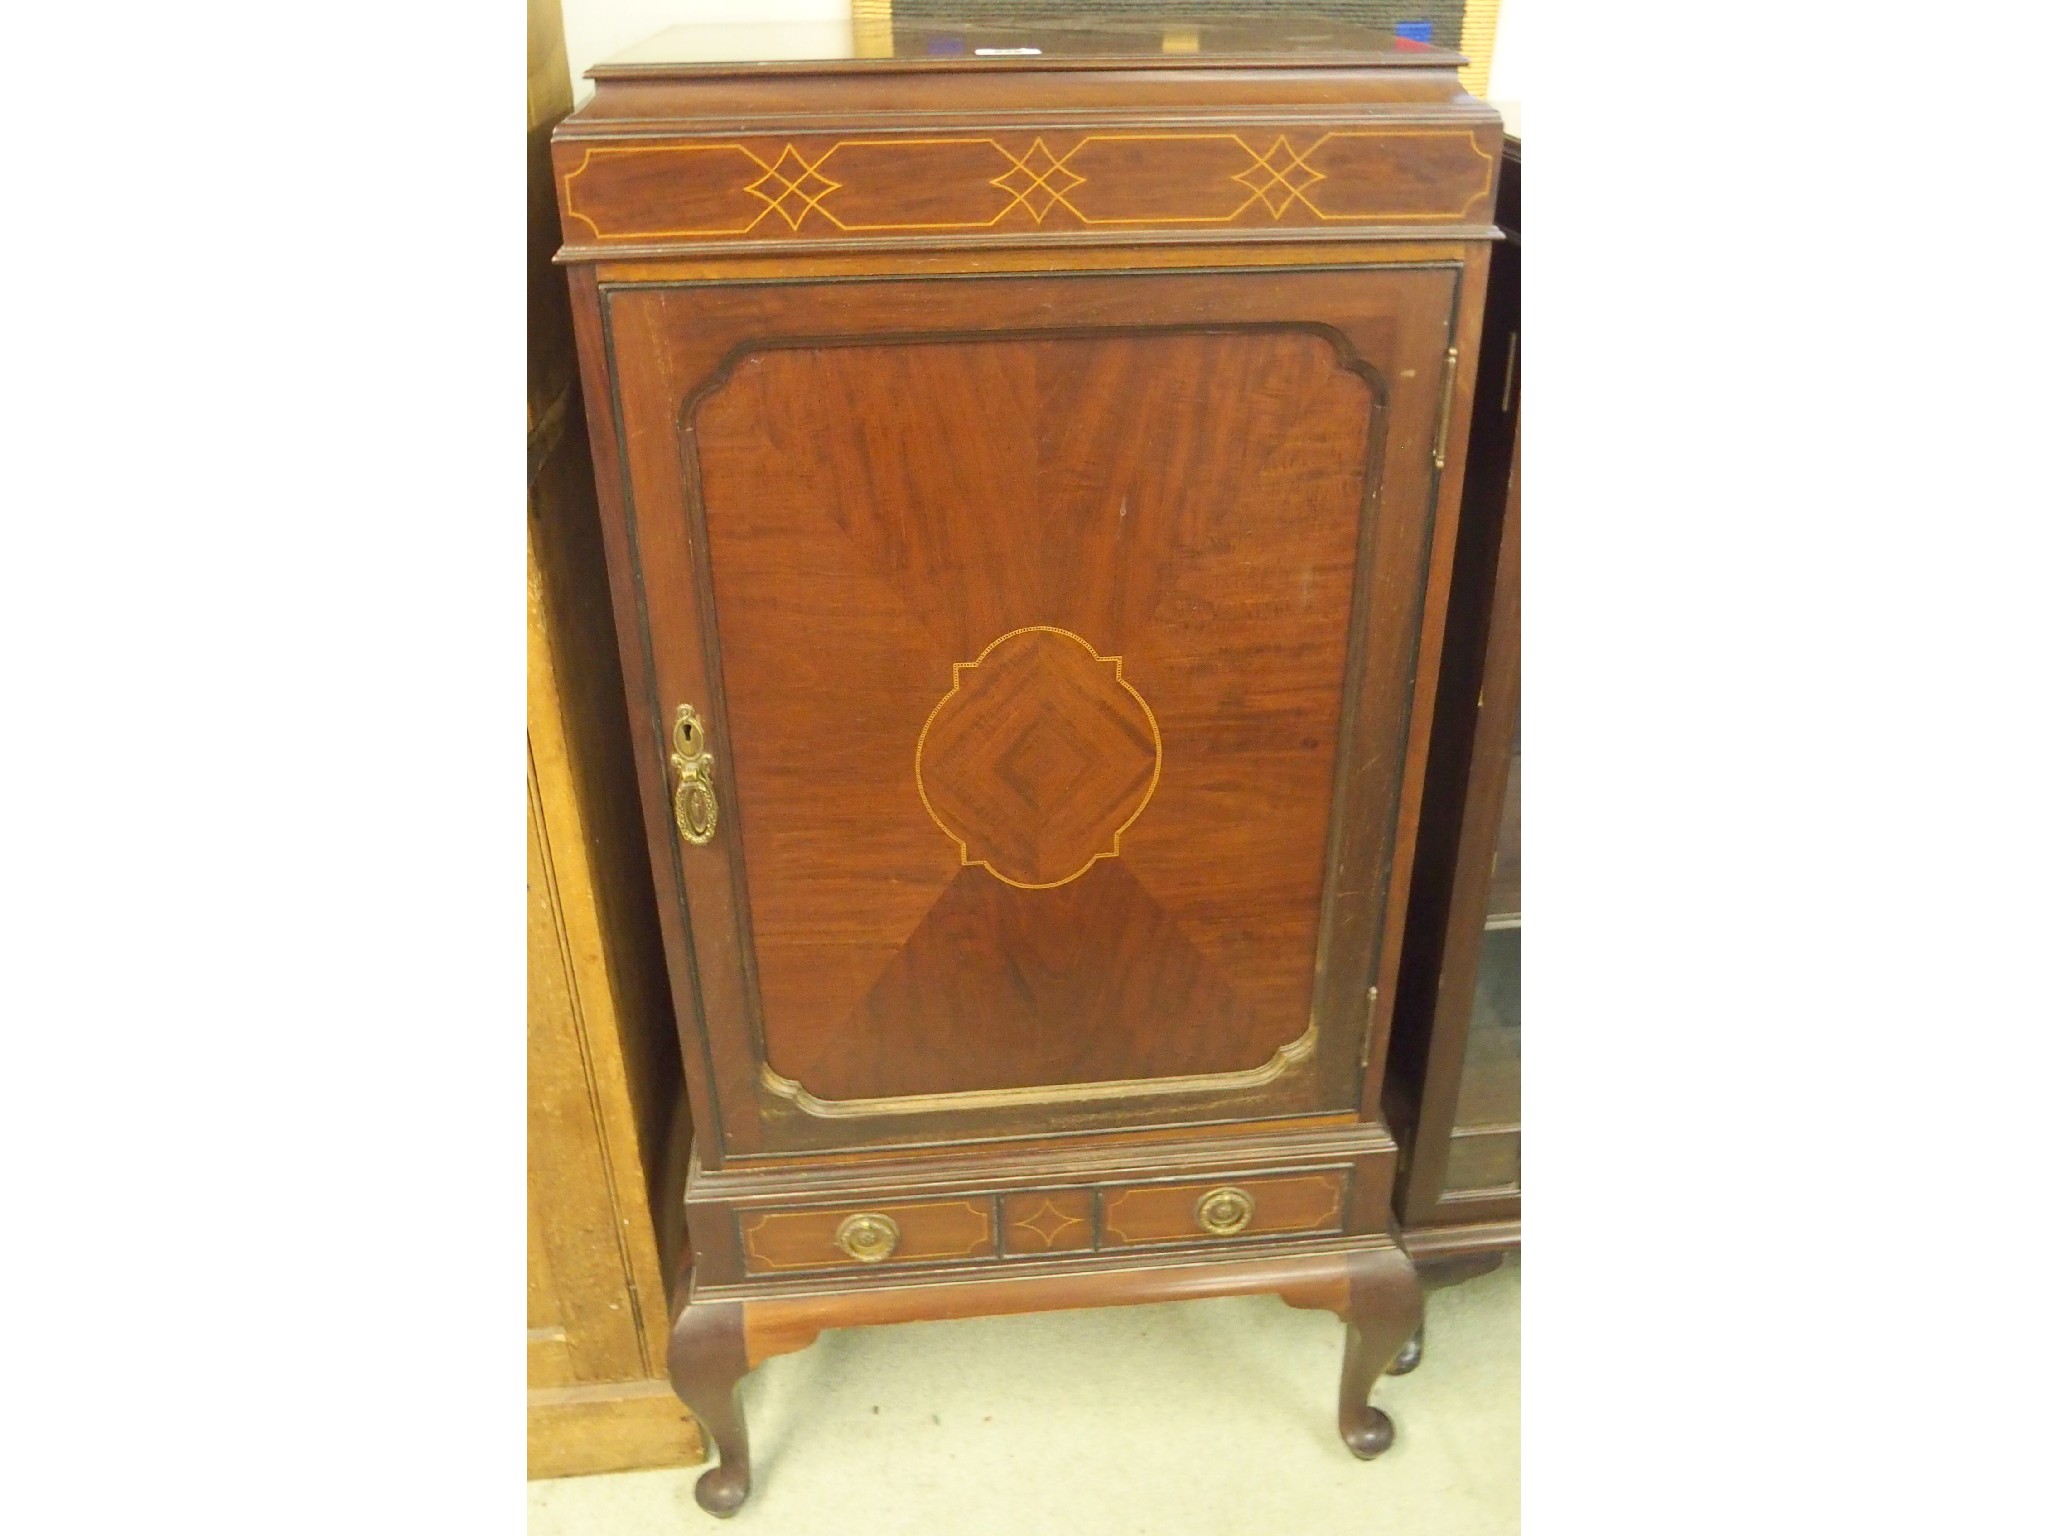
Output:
(707, 1356)
(1385, 1313)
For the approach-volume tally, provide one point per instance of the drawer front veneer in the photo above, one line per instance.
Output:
(840, 1237)
(1212, 1210)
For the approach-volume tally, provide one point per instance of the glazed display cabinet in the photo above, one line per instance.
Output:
(1030, 460)
(1454, 1089)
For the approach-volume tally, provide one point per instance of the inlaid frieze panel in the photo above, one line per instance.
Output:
(811, 188)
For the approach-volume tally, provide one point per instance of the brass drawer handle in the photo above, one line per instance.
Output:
(696, 804)
(1224, 1212)
(869, 1237)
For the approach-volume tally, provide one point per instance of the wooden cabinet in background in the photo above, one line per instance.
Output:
(598, 1399)
(1030, 456)
(1454, 1090)
(602, 1084)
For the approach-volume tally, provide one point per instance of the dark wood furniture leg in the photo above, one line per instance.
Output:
(1435, 1274)
(1411, 1353)
(1385, 1312)
(707, 1356)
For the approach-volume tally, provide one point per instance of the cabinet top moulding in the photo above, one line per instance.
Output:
(1221, 37)
(1244, 128)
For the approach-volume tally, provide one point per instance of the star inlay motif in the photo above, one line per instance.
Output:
(1048, 1212)
(1279, 176)
(1038, 180)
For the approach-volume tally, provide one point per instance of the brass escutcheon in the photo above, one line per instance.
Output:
(1224, 1212)
(868, 1236)
(696, 805)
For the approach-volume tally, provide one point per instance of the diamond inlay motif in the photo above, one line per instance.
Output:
(1039, 759)
(1044, 765)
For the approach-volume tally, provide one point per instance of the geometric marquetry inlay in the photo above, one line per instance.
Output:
(967, 183)
(1039, 759)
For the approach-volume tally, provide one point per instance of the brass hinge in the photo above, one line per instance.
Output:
(1443, 408)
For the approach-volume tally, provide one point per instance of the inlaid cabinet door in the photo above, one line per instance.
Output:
(1030, 658)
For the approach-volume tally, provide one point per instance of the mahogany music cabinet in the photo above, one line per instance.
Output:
(1029, 458)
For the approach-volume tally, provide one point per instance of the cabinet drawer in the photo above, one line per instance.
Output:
(856, 1236)
(1214, 1210)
